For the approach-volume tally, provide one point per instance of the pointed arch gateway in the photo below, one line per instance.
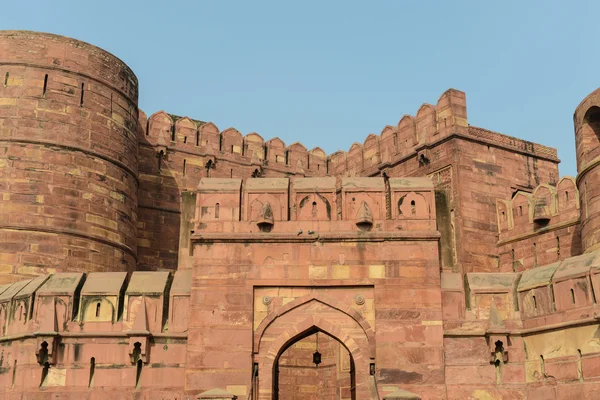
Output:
(301, 319)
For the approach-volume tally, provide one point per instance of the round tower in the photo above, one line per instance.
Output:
(587, 140)
(68, 157)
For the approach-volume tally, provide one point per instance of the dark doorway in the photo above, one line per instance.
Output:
(314, 366)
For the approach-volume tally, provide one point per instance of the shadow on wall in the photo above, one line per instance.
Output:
(159, 202)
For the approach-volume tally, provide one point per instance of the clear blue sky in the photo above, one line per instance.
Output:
(328, 73)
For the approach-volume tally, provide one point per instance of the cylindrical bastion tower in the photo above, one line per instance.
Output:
(68, 157)
(587, 140)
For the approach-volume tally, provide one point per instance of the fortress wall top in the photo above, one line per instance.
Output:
(413, 147)
(430, 125)
(59, 53)
(205, 139)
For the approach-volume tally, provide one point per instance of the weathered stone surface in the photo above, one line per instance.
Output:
(160, 257)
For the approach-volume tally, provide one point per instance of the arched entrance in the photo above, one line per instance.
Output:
(314, 366)
(301, 319)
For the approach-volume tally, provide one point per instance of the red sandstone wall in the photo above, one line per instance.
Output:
(539, 228)
(486, 174)
(188, 148)
(68, 157)
(243, 276)
(71, 335)
(471, 167)
(541, 317)
(70, 191)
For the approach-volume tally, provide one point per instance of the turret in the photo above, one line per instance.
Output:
(587, 138)
(68, 155)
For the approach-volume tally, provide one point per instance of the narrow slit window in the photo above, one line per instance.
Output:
(514, 264)
(97, 310)
(534, 303)
(185, 139)
(184, 166)
(82, 93)
(160, 157)
(45, 85)
(567, 195)
(197, 139)
(217, 211)
(572, 296)
(6, 79)
(14, 374)
(92, 370)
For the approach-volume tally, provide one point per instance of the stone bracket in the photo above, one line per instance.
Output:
(162, 151)
(423, 156)
(143, 355)
(492, 339)
(52, 342)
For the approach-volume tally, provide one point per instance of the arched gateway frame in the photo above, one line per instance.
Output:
(304, 317)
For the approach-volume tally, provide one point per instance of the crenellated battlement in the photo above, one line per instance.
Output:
(411, 136)
(169, 133)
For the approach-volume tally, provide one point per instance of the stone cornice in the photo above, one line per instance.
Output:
(71, 232)
(547, 229)
(523, 331)
(322, 237)
(31, 335)
(104, 157)
(78, 73)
